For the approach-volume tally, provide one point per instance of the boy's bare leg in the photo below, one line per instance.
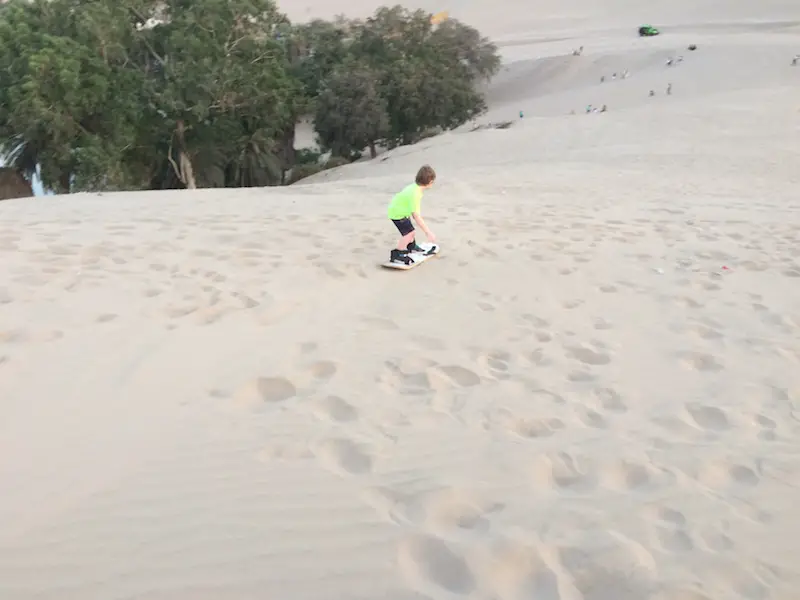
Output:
(405, 241)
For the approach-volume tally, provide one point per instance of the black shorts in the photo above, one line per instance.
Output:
(404, 226)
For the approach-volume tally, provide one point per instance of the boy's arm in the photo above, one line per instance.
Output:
(421, 222)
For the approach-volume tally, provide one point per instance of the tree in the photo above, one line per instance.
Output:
(427, 75)
(64, 104)
(466, 45)
(350, 112)
(219, 81)
(146, 93)
(138, 94)
(319, 47)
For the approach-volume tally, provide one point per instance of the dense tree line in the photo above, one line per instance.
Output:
(146, 94)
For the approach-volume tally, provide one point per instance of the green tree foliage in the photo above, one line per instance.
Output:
(64, 103)
(219, 90)
(144, 94)
(425, 77)
(126, 95)
(319, 47)
(351, 114)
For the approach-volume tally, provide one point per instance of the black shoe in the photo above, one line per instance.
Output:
(400, 256)
(413, 247)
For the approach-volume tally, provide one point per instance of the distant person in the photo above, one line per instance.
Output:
(795, 59)
(652, 93)
(404, 205)
(669, 89)
(521, 114)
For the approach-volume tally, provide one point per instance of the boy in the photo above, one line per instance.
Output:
(404, 205)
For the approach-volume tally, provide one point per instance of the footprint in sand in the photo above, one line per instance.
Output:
(536, 428)
(538, 357)
(449, 512)
(323, 370)
(571, 304)
(588, 356)
(307, 347)
(706, 332)
(591, 418)
(537, 322)
(343, 456)
(284, 452)
(542, 396)
(497, 363)
(610, 566)
(432, 566)
(710, 418)
(666, 516)
(724, 474)
(563, 472)
(610, 400)
(519, 572)
(700, 361)
(714, 540)
(603, 324)
(631, 475)
(767, 428)
(580, 376)
(334, 408)
(409, 378)
(265, 391)
(460, 376)
(380, 323)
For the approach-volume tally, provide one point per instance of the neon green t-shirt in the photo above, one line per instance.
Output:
(405, 202)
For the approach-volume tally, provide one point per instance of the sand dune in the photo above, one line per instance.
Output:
(593, 393)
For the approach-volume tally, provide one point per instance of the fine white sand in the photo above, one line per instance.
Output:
(592, 393)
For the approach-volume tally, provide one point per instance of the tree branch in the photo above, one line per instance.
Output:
(172, 161)
(152, 50)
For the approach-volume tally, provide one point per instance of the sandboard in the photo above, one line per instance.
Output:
(430, 250)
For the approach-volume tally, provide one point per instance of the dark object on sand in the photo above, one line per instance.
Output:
(13, 184)
(648, 31)
(692, 47)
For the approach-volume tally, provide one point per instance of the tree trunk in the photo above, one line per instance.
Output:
(185, 170)
(287, 141)
(64, 181)
(373, 152)
(288, 154)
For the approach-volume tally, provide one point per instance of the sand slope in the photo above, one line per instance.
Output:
(593, 393)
